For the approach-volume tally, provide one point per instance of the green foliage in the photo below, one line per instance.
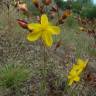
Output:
(76, 7)
(61, 4)
(89, 12)
(85, 7)
(11, 76)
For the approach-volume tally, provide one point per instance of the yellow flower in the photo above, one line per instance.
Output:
(44, 31)
(73, 77)
(74, 74)
(80, 65)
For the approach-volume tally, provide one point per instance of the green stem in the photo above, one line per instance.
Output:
(44, 71)
(43, 81)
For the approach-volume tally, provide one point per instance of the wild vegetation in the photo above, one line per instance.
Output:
(47, 48)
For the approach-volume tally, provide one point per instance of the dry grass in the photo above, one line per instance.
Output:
(15, 49)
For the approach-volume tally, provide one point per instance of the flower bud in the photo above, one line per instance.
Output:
(22, 23)
(66, 14)
(58, 44)
(47, 2)
(36, 3)
(22, 7)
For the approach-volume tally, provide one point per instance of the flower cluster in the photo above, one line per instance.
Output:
(75, 72)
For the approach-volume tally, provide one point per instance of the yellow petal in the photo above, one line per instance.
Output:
(47, 38)
(55, 30)
(79, 71)
(35, 27)
(72, 72)
(82, 63)
(33, 36)
(75, 67)
(77, 78)
(44, 19)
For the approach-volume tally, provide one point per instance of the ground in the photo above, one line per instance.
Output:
(15, 49)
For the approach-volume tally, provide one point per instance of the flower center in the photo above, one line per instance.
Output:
(43, 28)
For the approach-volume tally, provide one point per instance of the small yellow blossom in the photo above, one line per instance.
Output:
(75, 72)
(44, 31)
(73, 76)
(81, 65)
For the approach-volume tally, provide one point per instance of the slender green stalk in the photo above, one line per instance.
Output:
(43, 73)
